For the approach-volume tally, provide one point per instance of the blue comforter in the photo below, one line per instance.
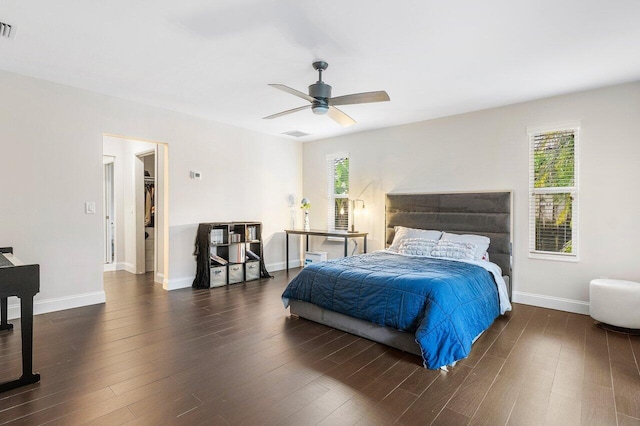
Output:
(446, 303)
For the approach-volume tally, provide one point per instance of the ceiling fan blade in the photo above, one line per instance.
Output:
(340, 117)
(360, 98)
(280, 114)
(293, 92)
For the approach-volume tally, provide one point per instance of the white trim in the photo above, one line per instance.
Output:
(551, 302)
(177, 283)
(184, 282)
(115, 266)
(59, 303)
(129, 267)
(281, 266)
(108, 267)
(337, 155)
(567, 125)
(159, 278)
(562, 257)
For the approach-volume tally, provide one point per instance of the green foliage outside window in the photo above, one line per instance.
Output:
(554, 160)
(554, 167)
(341, 176)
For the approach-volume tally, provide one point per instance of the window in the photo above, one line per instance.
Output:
(553, 192)
(338, 191)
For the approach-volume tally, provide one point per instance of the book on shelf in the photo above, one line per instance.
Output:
(252, 233)
(217, 236)
(237, 253)
(217, 259)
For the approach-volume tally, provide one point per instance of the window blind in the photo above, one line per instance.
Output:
(338, 191)
(553, 191)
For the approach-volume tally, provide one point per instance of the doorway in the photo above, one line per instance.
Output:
(140, 209)
(108, 213)
(145, 201)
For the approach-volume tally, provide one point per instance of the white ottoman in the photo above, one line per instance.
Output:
(615, 302)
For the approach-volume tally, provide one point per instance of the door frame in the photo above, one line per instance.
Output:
(161, 228)
(108, 162)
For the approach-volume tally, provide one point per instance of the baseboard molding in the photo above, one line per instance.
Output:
(184, 282)
(129, 267)
(159, 278)
(551, 302)
(59, 303)
(280, 266)
(177, 283)
(115, 266)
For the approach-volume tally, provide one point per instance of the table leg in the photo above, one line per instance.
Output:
(4, 322)
(365, 243)
(307, 242)
(346, 243)
(286, 255)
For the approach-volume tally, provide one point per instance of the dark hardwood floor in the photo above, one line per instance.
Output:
(233, 355)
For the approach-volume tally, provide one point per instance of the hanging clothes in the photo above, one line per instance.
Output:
(149, 206)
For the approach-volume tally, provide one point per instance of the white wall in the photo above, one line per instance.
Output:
(51, 144)
(488, 150)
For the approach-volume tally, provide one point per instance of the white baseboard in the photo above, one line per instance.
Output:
(129, 267)
(184, 282)
(280, 266)
(176, 283)
(159, 278)
(108, 267)
(115, 266)
(551, 302)
(59, 303)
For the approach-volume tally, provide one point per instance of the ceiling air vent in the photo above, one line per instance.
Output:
(7, 30)
(296, 133)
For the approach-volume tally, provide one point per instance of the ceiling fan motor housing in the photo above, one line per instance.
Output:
(321, 92)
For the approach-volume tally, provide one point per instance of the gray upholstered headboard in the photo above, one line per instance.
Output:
(483, 213)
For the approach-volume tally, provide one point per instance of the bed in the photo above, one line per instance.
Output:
(432, 307)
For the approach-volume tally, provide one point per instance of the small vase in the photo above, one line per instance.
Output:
(306, 221)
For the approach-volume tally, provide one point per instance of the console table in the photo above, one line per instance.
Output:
(320, 233)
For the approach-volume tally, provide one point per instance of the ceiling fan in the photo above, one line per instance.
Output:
(322, 102)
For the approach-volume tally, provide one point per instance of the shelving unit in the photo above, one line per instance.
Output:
(234, 253)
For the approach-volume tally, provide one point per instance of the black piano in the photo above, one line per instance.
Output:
(23, 281)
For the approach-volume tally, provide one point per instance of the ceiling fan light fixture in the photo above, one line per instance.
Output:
(320, 109)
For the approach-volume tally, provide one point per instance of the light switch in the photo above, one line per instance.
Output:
(90, 207)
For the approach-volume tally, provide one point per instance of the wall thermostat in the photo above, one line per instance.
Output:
(196, 175)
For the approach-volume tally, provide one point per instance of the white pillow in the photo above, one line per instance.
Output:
(454, 250)
(481, 242)
(417, 246)
(403, 233)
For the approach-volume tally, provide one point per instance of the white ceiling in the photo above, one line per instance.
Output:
(214, 58)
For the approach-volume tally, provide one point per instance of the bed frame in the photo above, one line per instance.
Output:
(483, 213)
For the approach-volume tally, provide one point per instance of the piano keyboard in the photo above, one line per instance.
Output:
(7, 260)
(4, 262)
